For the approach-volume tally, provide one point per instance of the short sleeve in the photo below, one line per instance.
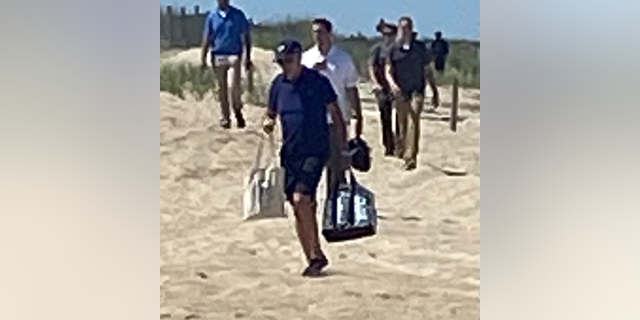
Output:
(374, 55)
(245, 26)
(426, 55)
(391, 56)
(208, 27)
(272, 107)
(351, 73)
(328, 94)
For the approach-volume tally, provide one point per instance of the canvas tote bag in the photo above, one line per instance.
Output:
(264, 186)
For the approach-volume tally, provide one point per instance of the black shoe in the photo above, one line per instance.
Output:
(241, 122)
(410, 165)
(315, 267)
(225, 123)
(388, 152)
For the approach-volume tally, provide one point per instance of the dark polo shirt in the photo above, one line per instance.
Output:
(301, 105)
(409, 66)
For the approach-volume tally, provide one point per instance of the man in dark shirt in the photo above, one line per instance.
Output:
(301, 98)
(408, 72)
(377, 60)
(440, 50)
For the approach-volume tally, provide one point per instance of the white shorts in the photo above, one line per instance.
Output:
(224, 60)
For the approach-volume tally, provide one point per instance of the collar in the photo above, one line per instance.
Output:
(223, 13)
(332, 51)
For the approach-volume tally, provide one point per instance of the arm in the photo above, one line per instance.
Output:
(207, 35)
(372, 75)
(354, 98)
(354, 95)
(372, 61)
(338, 122)
(247, 45)
(331, 101)
(269, 118)
(246, 41)
(389, 74)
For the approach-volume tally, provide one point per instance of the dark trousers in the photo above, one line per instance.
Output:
(439, 63)
(385, 107)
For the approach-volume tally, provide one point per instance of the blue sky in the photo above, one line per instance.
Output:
(456, 18)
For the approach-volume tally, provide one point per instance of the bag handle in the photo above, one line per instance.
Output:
(334, 207)
(352, 197)
(272, 153)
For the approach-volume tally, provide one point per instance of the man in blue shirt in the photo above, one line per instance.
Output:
(227, 33)
(301, 98)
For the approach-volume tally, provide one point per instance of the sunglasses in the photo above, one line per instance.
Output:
(286, 60)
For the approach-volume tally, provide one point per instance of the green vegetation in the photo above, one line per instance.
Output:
(185, 78)
(180, 78)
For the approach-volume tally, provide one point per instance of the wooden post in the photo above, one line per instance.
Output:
(170, 26)
(183, 27)
(196, 10)
(453, 121)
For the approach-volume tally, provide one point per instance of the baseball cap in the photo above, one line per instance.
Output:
(287, 47)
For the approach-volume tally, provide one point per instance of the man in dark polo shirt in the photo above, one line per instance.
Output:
(377, 61)
(408, 72)
(440, 51)
(301, 98)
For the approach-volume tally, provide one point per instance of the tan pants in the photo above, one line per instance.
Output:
(222, 73)
(408, 111)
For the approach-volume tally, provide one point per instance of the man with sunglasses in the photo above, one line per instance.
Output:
(227, 33)
(301, 98)
(377, 61)
(408, 72)
(337, 65)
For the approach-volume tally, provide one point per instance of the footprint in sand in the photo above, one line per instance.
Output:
(353, 294)
(387, 296)
(202, 275)
(191, 316)
(449, 221)
(411, 218)
(165, 316)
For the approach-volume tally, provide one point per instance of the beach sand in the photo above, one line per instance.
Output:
(423, 264)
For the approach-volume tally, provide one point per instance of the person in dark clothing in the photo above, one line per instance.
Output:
(440, 50)
(408, 71)
(382, 90)
(301, 98)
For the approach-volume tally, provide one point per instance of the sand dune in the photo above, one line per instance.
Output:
(424, 264)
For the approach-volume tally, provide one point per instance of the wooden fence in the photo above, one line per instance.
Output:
(180, 28)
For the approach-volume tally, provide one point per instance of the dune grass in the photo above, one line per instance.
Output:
(182, 78)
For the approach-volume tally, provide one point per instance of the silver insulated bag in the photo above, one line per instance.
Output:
(349, 213)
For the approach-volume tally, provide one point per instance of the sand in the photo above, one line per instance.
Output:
(423, 264)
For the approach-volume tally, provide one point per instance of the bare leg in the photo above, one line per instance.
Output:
(307, 225)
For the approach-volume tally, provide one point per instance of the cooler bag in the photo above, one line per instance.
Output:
(350, 213)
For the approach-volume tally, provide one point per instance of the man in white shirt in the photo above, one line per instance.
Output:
(338, 66)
